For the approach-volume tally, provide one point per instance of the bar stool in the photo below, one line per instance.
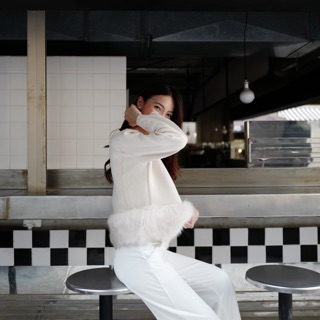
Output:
(99, 281)
(285, 280)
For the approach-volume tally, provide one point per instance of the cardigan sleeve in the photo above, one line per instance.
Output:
(164, 139)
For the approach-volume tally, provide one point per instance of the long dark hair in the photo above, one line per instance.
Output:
(171, 162)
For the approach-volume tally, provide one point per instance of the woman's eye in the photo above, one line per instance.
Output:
(169, 115)
(157, 107)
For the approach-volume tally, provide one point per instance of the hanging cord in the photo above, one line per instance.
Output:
(245, 47)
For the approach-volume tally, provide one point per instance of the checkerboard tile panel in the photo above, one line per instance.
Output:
(216, 246)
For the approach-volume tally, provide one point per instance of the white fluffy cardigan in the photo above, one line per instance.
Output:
(146, 204)
(154, 224)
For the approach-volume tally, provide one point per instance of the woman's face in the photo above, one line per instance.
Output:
(163, 105)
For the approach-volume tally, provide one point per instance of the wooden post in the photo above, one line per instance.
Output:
(37, 104)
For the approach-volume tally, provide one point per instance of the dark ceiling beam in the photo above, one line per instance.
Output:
(176, 5)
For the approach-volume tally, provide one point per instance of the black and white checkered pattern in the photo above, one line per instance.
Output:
(217, 246)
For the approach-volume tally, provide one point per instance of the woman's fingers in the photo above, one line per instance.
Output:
(131, 114)
(190, 224)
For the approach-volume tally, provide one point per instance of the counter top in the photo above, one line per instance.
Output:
(231, 210)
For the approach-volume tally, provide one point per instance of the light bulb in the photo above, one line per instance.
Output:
(246, 95)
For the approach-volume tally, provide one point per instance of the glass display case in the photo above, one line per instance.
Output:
(282, 144)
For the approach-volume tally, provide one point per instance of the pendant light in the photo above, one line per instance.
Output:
(246, 95)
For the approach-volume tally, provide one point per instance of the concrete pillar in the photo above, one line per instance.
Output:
(37, 104)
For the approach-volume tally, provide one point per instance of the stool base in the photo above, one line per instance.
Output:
(285, 306)
(105, 308)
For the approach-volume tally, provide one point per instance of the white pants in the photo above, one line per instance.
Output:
(176, 287)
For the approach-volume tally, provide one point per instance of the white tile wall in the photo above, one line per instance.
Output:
(96, 238)
(13, 112)
(86, 97)
(256, 254)
(22, 238)
(291, 253)
(78, 257)
(239, 237)
(40, 256)
(221, 254)
(273, 236)
(7, 256)
(203, 237)
(308, 235)
(59, 238)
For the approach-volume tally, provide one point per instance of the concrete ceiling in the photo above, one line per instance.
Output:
(200, 50)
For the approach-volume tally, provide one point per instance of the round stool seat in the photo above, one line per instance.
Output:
(285, 280)
(101, 281)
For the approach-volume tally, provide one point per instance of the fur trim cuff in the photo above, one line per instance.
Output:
(155, 224)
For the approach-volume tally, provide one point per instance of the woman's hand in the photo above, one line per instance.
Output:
(190, 224)
(131, 114)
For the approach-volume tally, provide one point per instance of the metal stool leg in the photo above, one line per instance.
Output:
(285, 306)
(105, 308)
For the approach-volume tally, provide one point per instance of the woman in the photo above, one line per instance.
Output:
(148, 213)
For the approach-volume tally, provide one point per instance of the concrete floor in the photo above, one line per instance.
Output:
(61, 307)
(41, 294)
